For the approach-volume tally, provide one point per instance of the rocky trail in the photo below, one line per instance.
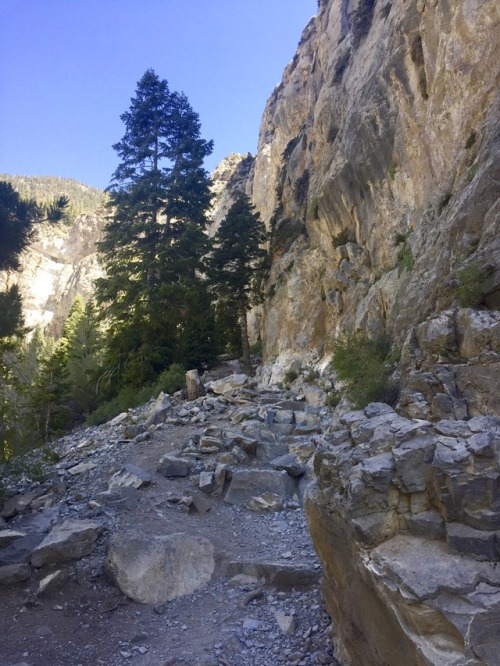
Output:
(174, 534)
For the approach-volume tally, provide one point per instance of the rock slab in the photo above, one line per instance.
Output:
(70, 540)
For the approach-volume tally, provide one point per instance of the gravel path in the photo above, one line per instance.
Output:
(262, 606)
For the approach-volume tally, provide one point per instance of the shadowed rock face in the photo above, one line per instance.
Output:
(406, 520)
(382, 140)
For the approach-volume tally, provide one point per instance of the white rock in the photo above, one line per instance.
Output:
(286, 623)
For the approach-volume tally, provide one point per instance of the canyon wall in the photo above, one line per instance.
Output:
(378, 172)
(378, 168)
(60, 264)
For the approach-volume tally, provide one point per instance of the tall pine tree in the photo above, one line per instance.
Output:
(239, 264)
(154, 243)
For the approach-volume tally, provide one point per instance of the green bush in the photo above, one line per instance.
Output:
(364, 364)
(129, 396)
(471, 140)
(469, 293)
(290, 376)
(405, 259)
(333, 398)
(400, 237)
(171, 380)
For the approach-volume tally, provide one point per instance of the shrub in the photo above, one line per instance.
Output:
(364, 364)
(393, 167)
(405, 259)
(471, 140)
(290, 376)
(171, 380)
(469, 293)
(400, 237)
(333, 398)
(312, 376)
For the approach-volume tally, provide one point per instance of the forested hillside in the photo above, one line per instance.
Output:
(84, 199)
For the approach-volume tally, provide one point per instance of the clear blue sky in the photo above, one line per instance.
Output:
(68, 69)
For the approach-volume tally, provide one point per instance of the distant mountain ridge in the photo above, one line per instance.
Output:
(61, 262)
(84, 199)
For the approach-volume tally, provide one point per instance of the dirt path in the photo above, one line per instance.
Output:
(87, 621)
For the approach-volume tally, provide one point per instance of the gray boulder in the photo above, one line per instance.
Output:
(228, 384)
(20, 503)
(10, 574)
(247, 483)
(170, 465)
(70, 540)
(153, 570)
(160, 411)
(8, 536)
(289, 463)
(130, 475)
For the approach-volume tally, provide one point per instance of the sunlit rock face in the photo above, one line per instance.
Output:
(378, 168)
(60, 264)
(230, 176)
(381, 140)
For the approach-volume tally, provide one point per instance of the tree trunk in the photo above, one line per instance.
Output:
(194, 385)
(245, 345)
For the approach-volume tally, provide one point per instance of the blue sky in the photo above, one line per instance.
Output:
(68, 69)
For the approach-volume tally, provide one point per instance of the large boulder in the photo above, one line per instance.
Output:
(228, 384)
(10, 574)
(248, 483)
(156, 569)
(160, 411)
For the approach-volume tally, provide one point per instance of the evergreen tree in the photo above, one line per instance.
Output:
(49, 393)
(239, 264)
(154, 243)
(82, 344)
(20, 389)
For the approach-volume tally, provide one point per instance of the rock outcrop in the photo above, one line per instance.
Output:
(405, 517)
(450, 366)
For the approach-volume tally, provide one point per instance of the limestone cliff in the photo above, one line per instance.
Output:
(378, 168)
(230, 176)
(378, 171)
(60, 264)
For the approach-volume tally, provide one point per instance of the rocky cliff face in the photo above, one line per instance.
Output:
(378, 166)
(60, 264)
(378, 170)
